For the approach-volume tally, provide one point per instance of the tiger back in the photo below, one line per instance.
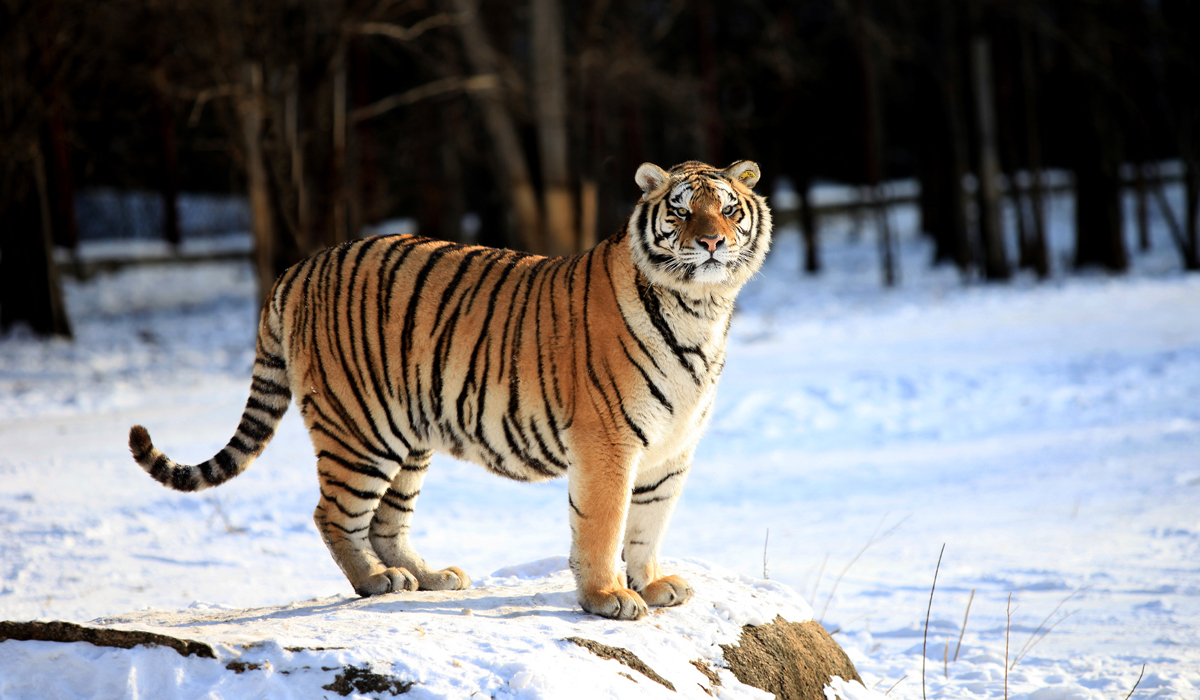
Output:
(601, 366)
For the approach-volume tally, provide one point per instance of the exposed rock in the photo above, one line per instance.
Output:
(363, 680)
(101, 637)
(793, 660)
(624, 656)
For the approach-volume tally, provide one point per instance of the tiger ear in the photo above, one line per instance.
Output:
(650, 177)
(744, 171)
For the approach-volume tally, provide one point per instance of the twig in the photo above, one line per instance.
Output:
(1135, 684)
(820, 572)
(896, 684)
(421, 92)
(765, 541)
(925, 636)
(946, 658)
(1043, 636)
(405, 34)
(1034, 638)
(963, 631)
(229, 526)
(1007, 628)
(873, 541)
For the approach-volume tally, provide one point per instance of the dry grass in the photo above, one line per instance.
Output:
(925, 637)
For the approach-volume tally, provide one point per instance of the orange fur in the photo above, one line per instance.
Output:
(600, 366)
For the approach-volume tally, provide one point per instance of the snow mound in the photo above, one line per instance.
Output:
(515, 634)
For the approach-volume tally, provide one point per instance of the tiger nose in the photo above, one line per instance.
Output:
(711, 243)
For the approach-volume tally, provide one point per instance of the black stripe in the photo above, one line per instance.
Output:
(255, 429)
(638, 490)
(651, 304)
(181, 479)
(261, 385)
(266, 359)
(654, 390)
(161, 469)
(276, 413)
(364, 469)
(228, 467)
(348, 531)
(347, 513)
(574, 507)
(656, 499)
(364, 495)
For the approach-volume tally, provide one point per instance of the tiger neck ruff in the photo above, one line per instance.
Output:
(601, 366)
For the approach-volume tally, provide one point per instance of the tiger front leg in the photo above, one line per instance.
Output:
(392, 522)
(598, 496)
(655, 493)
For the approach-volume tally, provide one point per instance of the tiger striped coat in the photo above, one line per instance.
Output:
(601, 366)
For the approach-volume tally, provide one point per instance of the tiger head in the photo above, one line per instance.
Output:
(699, 228)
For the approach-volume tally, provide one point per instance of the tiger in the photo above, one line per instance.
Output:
(601, 366)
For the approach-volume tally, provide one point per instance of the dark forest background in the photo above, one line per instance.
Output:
(533, 115)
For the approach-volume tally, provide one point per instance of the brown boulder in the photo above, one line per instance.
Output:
(793, 660)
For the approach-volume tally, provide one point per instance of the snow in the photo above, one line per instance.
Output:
(1047, 433)
(505, 637)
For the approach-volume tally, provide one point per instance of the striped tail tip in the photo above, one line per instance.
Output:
(160, 467)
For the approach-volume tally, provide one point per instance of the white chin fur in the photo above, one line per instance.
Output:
(711, 274)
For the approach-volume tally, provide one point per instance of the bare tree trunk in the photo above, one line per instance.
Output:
(341, 203)
(589, 210)
(30, 290)
(1141, 208)
(1036, 248)
(550, 108)
(291, 133)
(169, 187)
(503, 133)
(808, 227)
(1191, 200)
(258, 189)
(873, 139)
(66, 232)
(995, 256)
(709, 77)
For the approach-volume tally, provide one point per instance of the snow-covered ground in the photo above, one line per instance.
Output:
(1047, 434)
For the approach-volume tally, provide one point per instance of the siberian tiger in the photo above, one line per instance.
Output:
(601, 366)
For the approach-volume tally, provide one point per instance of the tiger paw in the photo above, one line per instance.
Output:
(387, 581)
(667, 591)
(450, 578)
(615, 604)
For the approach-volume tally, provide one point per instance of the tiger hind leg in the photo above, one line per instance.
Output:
(391, 524)
(350, 495)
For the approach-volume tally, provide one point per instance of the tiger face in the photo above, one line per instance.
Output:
(698, 228)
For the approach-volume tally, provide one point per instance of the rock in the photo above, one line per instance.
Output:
(98, 636)
(792, 660)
